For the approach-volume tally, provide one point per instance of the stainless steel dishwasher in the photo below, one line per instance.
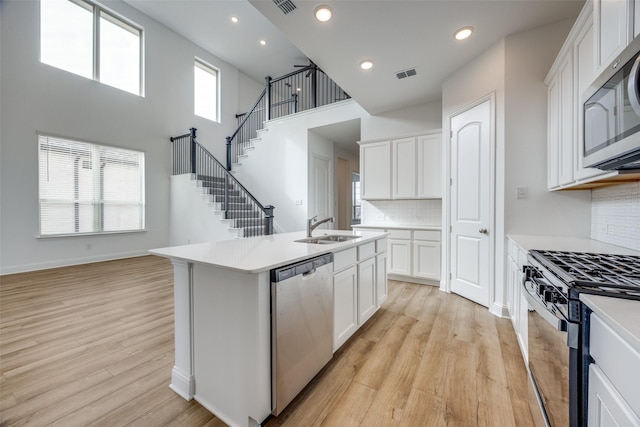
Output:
(301, 326)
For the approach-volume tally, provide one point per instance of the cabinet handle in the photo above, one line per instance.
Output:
(483, 231)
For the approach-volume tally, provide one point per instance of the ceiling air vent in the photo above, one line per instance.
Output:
(406, 73)
(285, 6)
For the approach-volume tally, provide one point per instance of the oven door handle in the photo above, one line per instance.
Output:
(554, 319)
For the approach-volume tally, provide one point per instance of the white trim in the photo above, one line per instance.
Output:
(69, 262)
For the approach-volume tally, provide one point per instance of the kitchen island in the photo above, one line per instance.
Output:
(222, 294)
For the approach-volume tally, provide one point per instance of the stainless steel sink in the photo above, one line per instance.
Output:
(327, 239)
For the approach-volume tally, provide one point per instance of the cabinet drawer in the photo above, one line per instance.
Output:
(366, 250)
(381, 245)
(617, 359)
(426, 235)
(399, 234)
(344, 259)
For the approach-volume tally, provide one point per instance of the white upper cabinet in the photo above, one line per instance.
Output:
(569, 82)
(567, 121)
(613, 22)
(411, 170)
(404, 167)
(375, 170)
(429, 156)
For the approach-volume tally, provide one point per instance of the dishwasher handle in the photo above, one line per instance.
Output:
(303, 268)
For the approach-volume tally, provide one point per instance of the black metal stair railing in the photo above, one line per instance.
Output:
(298, 91)
(239, 205)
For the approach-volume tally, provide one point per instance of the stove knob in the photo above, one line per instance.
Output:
(550, 296)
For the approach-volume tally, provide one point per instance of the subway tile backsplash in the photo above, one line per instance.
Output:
(615, 215)
(402, 212)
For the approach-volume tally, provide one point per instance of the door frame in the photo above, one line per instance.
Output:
(445, 282)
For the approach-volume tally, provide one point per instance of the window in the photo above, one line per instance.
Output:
(88, 188)
(109, 53)
(355, 198)
(205, 91)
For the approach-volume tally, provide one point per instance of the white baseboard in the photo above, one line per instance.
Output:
(500, 310)
(68, 262)
(183, 385)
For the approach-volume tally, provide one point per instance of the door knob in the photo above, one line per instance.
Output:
(483, 231)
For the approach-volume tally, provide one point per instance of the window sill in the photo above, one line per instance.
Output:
(101, 233)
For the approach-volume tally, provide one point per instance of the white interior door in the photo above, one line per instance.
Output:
(321, 185)
(471, 195)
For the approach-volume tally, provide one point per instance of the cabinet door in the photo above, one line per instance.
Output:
(381, 278)
(367, 304)
(404, 168)
(567, 121)
(523, 316)
(606, 407)
(426, 259)
(429, 155)
(345, 299)
(399, 253)
(553, 137)
(585, 74)
(611, 24)
(375, 170)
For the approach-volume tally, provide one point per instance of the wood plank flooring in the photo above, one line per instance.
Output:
(93, 345)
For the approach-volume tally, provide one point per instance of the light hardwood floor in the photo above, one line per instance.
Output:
(93, 345)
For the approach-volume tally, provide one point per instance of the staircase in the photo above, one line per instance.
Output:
(242, 215)
(300, 90)
(241, 209)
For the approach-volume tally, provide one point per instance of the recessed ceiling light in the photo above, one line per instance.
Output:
(234, 19)
(298, 89)
(322, 13)
(366, 64)
(262, 42)
(463, 33)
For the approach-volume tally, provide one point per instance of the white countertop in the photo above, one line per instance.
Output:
(622, 315)
(573, 244)
(257, 254)
(399, 227)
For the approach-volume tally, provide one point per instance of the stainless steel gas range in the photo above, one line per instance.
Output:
(558, 324)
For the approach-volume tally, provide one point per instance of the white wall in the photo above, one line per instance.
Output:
(275, 172)
(514, 70)
(39, 98)
(529, 58)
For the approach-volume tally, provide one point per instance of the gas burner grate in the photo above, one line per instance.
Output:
(601, 273)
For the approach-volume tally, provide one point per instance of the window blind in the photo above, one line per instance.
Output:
(89, 188)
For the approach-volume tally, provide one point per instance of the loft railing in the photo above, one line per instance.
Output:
(300, 90)
(189, 156)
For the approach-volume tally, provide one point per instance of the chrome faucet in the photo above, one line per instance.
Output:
(312, 226)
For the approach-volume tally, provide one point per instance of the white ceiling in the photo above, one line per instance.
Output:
(395, 34)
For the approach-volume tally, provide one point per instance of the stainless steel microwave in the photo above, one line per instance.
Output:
(612, 115)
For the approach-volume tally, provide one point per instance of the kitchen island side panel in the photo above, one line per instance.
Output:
(232, 353)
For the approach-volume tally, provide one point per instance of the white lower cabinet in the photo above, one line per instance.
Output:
(400, 256)
(345, 311)
(367, 303)
(613, 377)
(359, 287)
(381, 278)
(426, 254)
(516, 300)
(606, 407)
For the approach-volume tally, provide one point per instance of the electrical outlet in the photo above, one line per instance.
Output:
(522, 192)
(88, 246)
(298, 202)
